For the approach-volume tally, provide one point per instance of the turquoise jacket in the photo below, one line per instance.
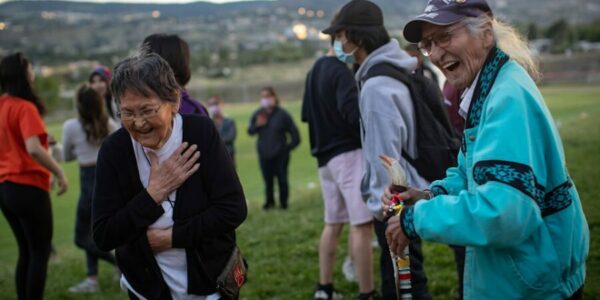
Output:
(510, 200)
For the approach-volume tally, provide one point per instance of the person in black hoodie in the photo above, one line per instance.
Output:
(274, 126)
(330, 107)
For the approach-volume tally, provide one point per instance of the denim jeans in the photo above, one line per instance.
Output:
(83, 223)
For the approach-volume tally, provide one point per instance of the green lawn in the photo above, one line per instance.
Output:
(282, 246)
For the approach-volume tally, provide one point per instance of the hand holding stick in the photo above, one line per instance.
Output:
(402, 274)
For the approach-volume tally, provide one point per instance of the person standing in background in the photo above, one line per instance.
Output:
(82, 137)
(274, 125)
(388, 123)
(176, 52)
(330, 107)
(423, 64)
(99, 80)
(25, 168)
(225, 125)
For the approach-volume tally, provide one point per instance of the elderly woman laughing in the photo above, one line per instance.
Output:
(167, 197)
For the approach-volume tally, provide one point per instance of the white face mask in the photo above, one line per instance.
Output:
(214, 110)
(347, 58)
(267, 102)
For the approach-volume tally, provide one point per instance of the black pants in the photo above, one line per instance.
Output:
(271, 168)
(418, 277)
(29, 214)
(459, 258)
(83, 223)
(578, 295)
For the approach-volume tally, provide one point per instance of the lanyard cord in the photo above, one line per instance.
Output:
(171, 202)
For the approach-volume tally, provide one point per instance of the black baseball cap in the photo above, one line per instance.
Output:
(356, 13)
(444, 12)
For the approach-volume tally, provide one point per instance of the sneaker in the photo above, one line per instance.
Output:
(373, 295)
(327, 293)
(87, 286)
(348, 270)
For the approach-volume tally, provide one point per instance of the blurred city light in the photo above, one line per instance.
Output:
(300, 31)
(47, 15)
(2, 26)
(301, 11)
(156, 14)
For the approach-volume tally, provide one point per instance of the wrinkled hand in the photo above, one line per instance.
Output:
(396, 239)
(160, 239)
(410, 197)
(169, 175)
(62, 182)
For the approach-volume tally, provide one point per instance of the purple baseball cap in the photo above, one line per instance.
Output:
(444, 12)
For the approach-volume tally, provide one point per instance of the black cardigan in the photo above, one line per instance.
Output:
(210, 206)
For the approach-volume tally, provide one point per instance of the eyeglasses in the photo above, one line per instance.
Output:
(144, 114)
(441, 39)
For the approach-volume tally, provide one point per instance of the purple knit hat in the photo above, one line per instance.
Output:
(102, 71)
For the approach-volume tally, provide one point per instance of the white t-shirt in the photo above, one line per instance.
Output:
(172, 262)
(75, 144)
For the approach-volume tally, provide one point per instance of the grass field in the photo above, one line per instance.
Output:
(281, 246)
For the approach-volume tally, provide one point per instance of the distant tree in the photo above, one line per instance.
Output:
(287, 52)
(532, 31)
(561, 34)
(48, 88)
(201, 58)
(224, 57)
(589, 32)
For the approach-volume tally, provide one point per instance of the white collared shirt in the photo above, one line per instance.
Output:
(467, 97)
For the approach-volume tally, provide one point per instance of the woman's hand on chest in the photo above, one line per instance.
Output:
(169, 175)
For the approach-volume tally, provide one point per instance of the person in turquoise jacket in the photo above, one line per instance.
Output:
(510, 200)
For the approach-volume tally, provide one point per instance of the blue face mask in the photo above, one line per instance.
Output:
(347, 58)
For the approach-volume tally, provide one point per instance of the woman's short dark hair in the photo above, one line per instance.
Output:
(367, 37)
(146, 74)
(175, 51)
(14, 80)
(92, 114)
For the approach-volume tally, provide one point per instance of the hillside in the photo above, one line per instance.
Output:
(540, 11)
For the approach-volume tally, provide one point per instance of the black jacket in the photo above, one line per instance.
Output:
(210, 206)
(272, 137)
(330, 107)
